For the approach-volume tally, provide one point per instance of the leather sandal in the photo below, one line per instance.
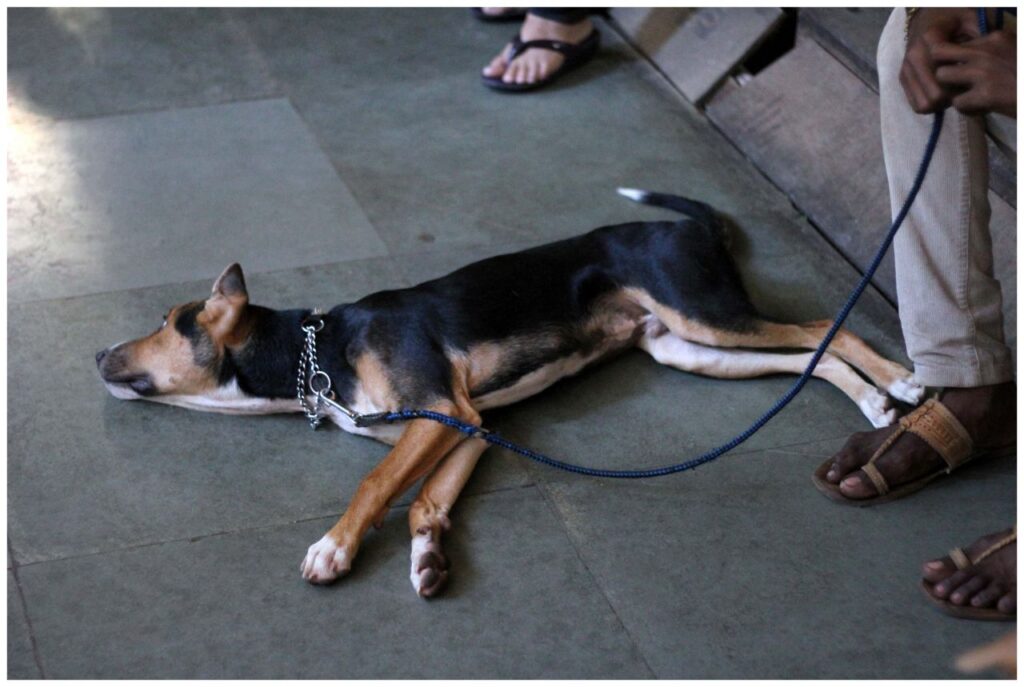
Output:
(962, 561)
(940, 429)
(576, 54)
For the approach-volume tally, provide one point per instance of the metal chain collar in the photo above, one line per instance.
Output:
(319, 382)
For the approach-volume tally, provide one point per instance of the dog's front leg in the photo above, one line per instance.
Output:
(428, 516)
(422, 445)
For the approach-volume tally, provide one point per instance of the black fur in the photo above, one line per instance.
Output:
(549, 289)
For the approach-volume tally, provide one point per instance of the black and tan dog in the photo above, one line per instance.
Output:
(492, 333)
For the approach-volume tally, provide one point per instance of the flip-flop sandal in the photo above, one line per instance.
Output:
(934, 423)
(576, 54)
(961, 560)
(500, 18)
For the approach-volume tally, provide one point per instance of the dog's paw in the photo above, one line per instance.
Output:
(908, 390)
(325, 561)
(877, 408)
(429, 570)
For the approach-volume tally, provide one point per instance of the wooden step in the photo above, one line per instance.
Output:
(811, 126)
(697, 48)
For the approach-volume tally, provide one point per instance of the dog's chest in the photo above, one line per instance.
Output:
(364, 403)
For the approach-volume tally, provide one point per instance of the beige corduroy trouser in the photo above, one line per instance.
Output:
(949, 301)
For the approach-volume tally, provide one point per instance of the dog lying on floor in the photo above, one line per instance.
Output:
(490, 334)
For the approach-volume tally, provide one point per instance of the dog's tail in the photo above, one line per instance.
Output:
(702, 212)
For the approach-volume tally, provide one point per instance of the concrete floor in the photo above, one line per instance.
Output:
(334, 153)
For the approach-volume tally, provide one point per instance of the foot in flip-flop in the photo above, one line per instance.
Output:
(979, 582)
(936, 438)
(498, 14)
(543, 51)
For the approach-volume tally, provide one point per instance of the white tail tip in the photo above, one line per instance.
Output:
(633, 194)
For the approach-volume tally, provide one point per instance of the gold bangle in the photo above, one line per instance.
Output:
(911, 11)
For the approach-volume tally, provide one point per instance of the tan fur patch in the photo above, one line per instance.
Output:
(167, 357)
(375, 381)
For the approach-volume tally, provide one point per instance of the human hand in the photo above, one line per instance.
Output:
(981, 73)
(928, 28)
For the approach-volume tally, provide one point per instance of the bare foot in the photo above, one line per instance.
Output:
(988, 413)
(991, 583)
(537, 63)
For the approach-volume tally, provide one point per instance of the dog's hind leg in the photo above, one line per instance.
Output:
(669, 349)
(887, 375)
(422, 446)
(428, 516)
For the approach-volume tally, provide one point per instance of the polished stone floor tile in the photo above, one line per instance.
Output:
(520, 604)
(139, 200)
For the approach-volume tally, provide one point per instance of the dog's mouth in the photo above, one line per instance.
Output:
(131, 387)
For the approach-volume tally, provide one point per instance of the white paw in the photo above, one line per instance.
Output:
(429, 570)
(877, 408)
(907, 390)
(325, 561)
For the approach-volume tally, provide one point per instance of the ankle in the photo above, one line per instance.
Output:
(535, 27)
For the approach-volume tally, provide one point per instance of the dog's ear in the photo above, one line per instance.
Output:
(227, 302)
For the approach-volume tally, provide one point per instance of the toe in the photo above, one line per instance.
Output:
(962, 595)
(988, 596)
(1008, 602)
(850, 457)
(510, 72)
(857, 486)
(497, 66)
(937, 570)
(943, 589)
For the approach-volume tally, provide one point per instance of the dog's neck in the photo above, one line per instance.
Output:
(267, 363)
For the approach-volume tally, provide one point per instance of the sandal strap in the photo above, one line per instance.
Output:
(960, 559)
(881, 485)
(940, 429)
(869, 469)
(1002, 543)
(519, 46)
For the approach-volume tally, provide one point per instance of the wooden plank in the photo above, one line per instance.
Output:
(698, 49)
(850, 35)
(812, 127)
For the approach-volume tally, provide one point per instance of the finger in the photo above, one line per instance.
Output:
(958, 75)
(973, 101)
(935, 97)
(951, 52)
(915, 96)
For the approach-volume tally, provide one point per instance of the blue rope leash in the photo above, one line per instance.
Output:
(497, 440)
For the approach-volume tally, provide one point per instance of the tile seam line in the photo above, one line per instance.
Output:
(240, 530)
(163, 285)
(761, 172)
(156, 109)
(557, 513)
(37, 655)
(336, 166)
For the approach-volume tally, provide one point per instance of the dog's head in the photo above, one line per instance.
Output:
(185, 357)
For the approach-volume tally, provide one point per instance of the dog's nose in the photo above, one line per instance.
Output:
(101, 355)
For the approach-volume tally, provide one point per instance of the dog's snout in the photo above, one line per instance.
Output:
(101, 355)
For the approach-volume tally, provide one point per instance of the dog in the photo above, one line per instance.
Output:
(490, 334)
